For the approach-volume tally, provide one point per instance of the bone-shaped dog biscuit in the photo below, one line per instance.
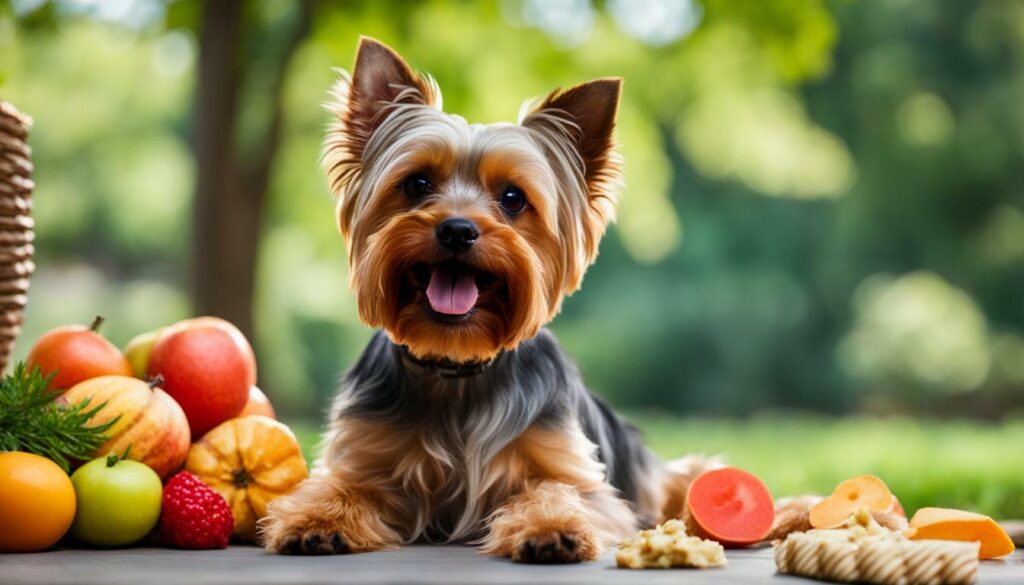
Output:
(864, 552)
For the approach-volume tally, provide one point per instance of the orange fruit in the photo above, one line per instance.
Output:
(258, 404)
(37, 502)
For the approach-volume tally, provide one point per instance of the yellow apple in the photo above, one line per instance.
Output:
(137, 351)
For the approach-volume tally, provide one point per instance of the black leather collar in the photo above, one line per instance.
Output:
(445, 368)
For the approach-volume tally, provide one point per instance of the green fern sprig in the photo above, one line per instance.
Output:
(31, 421)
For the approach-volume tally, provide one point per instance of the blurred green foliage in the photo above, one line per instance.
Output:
(824, 207)
(925, 463)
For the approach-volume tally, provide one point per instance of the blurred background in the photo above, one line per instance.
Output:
(818, 268)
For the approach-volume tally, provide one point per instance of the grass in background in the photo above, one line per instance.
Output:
(926, 463)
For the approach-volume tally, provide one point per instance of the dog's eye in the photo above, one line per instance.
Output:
(513, 200)
(416, 185)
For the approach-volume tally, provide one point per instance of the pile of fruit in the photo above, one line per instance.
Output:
(734, 508)
(170, 439)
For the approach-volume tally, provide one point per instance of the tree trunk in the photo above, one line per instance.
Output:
(230, 189)
(222, 258)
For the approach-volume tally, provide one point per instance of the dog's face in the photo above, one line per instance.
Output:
(464, 238)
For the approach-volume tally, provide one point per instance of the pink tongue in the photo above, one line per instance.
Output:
(450, 293)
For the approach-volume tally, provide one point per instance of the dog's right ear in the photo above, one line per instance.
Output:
(380, 79)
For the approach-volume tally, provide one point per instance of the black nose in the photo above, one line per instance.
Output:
(457, 234)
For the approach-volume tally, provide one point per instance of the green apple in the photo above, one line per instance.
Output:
(118, 501)
(137, 351)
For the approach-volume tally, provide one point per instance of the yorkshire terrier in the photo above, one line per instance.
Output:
(463, 420)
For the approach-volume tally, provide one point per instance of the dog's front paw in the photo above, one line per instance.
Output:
(312, 542)
(298, 534)
(322, 518)
(556, 547)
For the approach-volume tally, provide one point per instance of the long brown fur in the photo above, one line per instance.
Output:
(379, 486)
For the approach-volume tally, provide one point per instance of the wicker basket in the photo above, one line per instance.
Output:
(16, 224)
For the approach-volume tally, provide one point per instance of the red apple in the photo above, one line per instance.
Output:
(74, 353)
(151, 424)
(258, 404)
(207, 366)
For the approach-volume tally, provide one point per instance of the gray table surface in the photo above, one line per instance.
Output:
(415, 564)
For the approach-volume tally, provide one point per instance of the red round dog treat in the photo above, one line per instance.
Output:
(731, 506)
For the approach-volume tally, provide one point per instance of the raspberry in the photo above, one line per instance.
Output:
(194, 516)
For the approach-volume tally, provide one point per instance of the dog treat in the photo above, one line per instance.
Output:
(863, 491)
(950, 524)
(667, 546)
(863, 551)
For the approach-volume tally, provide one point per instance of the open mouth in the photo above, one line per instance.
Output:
(451, 288)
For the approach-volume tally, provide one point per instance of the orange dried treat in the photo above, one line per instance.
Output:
(861, 492)
(950, 524)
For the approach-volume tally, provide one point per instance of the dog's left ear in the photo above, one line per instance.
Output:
(580, 122)
(592, 108)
